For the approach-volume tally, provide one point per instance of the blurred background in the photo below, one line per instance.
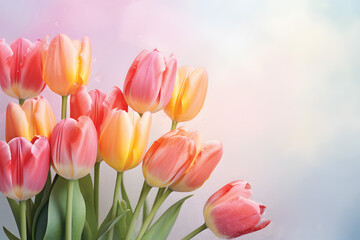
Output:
(284, 97)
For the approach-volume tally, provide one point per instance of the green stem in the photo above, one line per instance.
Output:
(96, 190)
(63, 106)
(173, 125)
(195, 232)
(152, 213)
(21, 101)
(29, 215)
(144, 192)
(23, 220)
(70, 192)
(115, 201)
(159, 193)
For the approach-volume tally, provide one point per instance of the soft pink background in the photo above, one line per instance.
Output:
(283, 97)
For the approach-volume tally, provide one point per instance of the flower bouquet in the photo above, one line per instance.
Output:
(102, 127)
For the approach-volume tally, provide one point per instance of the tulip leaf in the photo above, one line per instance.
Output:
(9, 234)
(162, 227)
(15, 208)
(110, 225)
(38, 231)
(124, 195)
(121, 227)
(57, 211)
(87, 190)
(44, 191)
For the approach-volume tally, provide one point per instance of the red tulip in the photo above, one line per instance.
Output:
(24, 167)
(150, 81)
(73, 147)
(21, 68)
(229, 213)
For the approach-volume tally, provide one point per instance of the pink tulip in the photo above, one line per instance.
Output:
(73, 147)
(150, 81)
(21, 68)
(229, 213)
(96, 104)
(24, 167)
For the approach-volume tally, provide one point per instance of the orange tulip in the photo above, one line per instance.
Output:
(124, 139)
(179, 160)
(189, 94)
(34, 117)
(21, 68)
(67, 63)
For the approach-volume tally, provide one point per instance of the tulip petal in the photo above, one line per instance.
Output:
(5, 170)
(5, 56)
(16, 122)
(80, 103)
(140, 141)
(85, 59)
(200, 169)
(114, 99)
(36, 168)
(97, 114)
(44, 118)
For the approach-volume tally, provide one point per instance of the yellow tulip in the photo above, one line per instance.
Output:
(34, 117)
(189, 94)
(66, 63)
(124, 138)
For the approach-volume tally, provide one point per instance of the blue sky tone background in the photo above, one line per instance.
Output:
(284, 97)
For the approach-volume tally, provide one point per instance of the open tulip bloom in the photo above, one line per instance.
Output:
(113, 127)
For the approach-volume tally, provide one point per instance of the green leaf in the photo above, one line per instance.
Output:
(125, 196)
(39, 229)
(10, 235)
(15, 208)
(109, 226)
(57, 211)
(87, 190)
(162, 227)
(44, 191)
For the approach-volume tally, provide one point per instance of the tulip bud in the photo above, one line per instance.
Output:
(34, 117)
(150, 81)
(24, 167)
(21, 68)
(67, 63)
(178, 159)
(73, 147)
(229, 213)
(189, 94)
(124, 138)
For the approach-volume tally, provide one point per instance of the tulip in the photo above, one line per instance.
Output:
(67, 64)
(124, 139)
(189, 94)
(73, 147)
(24, 167)
(96, 104)
(34, 117)
(229, 213)
(179, 160)
(150, 81)
(21, 68)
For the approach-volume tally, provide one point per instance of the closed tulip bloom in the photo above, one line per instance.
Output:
(174, 155)
(24, 167)
(124, 138)
(189, 94)
(34, 117)
(67, 63)
(200, 169)
(21, 68)
(229, 213)
(150, 81)
(73, 147)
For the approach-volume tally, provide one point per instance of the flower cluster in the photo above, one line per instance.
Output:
(113, 128)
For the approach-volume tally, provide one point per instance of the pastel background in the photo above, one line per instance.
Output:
(284, 97)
